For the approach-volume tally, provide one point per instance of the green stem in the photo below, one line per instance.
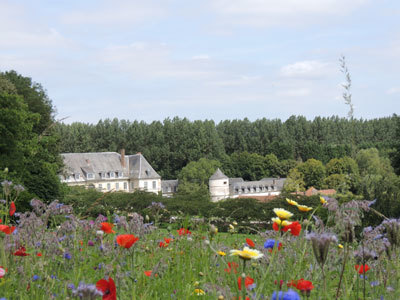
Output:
(343, 268)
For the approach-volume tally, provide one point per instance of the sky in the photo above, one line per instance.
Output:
(209, 59)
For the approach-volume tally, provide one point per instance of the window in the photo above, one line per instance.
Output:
(125, 185)
(102, 175)
(90, 175)
(77, 176)
(145, 185)
(154, 185)
(112, 174)
(108, 186)
(225, 182)
(120, 174)
(117, 186)
(100, 186)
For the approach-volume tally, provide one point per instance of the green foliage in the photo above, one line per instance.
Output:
(28, 147)
(172, 144)
(199, 171)
(313, 172)
(294, 182)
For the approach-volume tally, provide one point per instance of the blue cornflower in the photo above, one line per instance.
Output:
(289, 295)
(67, 255)
(35, 277)
(269, 244)
(53, 276)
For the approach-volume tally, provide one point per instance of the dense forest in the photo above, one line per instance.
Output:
(170, 145)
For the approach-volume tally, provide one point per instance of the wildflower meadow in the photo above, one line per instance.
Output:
(51, 253)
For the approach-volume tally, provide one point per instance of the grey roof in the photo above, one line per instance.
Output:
(166, 183)
(235, 180)
(140, 168)
(136, 166)
(218, 175)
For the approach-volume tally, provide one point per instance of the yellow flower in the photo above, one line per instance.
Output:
(222, 253)
(304, 208)
(323, 201)
(247, 253)
(231, 227)
(280, 222)
(234, 223)
(291, 202)
(340, 246)
(199, 292)
(282, 214)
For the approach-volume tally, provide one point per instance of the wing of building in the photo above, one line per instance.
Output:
(222, 187)
(110, 171)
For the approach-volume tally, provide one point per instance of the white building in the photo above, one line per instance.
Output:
(110, 171)
(222, 187)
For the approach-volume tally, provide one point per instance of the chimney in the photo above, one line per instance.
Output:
(138, 153)
(123, 157)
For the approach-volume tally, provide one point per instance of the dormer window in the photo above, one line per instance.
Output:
(120, 174)
(90, 176)
(77, 176)
(112, 174)
(102, 175)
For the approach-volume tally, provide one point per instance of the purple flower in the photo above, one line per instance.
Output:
(35, 277)
(67, 256)
(90, 243)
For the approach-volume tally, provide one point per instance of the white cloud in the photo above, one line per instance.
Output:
(283, 12)
(312, 69)
(393, 90)
(117, 12)
(201, 57)
(149, 60)
(299, 92)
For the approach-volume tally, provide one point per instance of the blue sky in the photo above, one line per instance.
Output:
(210, 59)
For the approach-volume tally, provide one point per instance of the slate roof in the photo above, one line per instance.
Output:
(136, 166)
(218, 175)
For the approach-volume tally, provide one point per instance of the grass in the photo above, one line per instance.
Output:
(75, 252)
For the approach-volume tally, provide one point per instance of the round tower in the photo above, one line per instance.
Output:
(219, 186)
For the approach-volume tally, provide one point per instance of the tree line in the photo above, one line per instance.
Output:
(171, 144)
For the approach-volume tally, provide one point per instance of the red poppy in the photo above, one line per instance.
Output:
(21, 252)
(107, 227)
(183, 231)
(126, 240)
(39, 254)
(232, 266)
(247, 281)
(304, 285)
(12, 208)
(7, 229)
(295, 228)
(362, 268)
(167, 240)
(250, 243)
(162, 245)
(107, 288)
(275, 226)
(148, 273)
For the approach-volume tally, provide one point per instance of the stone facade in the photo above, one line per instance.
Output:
(222, 187)
(110, 171)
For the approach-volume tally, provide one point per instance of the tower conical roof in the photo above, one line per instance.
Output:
(218, 175)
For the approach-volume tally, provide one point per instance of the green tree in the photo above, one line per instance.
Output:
(193, 178)
(313, 172)
(294, 182)
(28, 147)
